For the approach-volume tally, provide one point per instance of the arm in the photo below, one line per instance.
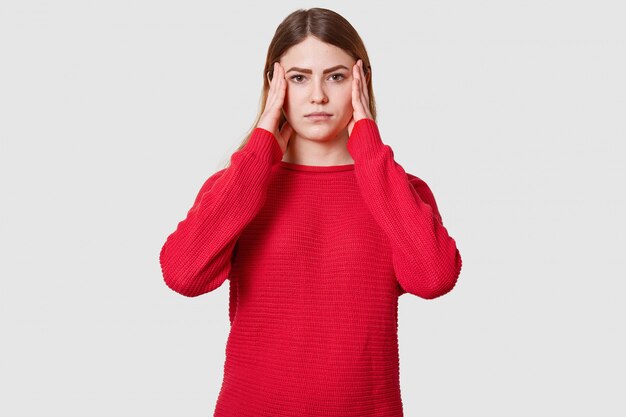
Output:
(195, 258)
(426, 260)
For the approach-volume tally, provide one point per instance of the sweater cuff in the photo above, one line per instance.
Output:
(365, 140)
(262, 142)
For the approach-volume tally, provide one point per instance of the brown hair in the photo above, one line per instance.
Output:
(326, 25)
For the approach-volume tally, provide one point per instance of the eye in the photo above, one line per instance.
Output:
(298, 78)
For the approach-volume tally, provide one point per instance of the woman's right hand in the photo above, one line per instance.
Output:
(273, 108)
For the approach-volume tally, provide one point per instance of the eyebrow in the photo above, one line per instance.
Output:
(308, 71)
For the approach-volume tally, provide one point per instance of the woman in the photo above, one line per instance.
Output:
(319, 231)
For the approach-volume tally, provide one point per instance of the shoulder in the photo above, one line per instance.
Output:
(425, 193)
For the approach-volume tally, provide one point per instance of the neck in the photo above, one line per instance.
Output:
(319, 152)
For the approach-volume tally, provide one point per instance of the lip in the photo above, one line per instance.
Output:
(319, 114)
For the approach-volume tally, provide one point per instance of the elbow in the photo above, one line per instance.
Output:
(436, 282)
(189, 281)
(448, 278)
(178, 283)
(174, 278)
(181, 288)
(435, 291)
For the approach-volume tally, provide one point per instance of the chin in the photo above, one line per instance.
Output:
(320, 133)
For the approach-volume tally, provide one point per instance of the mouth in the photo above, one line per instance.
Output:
(318, 116)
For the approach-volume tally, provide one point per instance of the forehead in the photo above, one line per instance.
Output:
(312, 53)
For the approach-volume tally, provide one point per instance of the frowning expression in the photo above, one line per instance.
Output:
(319, 79)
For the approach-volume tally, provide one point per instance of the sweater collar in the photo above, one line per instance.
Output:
(316, 168)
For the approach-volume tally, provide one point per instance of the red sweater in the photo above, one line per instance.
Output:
(317, 257)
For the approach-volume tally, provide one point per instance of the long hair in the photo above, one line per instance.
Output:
(326, 25)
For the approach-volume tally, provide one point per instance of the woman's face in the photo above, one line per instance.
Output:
(319, 79)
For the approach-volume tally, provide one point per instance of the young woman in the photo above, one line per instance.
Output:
(318, 231)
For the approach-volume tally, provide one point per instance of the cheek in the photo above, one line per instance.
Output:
(346, 92)
(292, 100)
(344, 99)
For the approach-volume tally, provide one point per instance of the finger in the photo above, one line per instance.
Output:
(277, 92)
(359, 81)
(272, 81)
(364, 94)
(360, 100)
(363, 103)
(356, 101)
(282, 86)
(364, 78)
(271, 95)
(356, 73)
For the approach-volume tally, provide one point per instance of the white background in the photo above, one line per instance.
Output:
(113, 114)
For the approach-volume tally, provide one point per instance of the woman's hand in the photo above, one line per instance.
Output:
(273, 108)
(360, 96)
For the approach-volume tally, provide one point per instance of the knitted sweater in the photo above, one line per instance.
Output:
(317, 257)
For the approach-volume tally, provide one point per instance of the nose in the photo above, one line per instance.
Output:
(317, 94)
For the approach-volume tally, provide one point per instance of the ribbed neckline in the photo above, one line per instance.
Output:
(316, 168)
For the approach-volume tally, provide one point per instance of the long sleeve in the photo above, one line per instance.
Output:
(426, 261)
(196, 257)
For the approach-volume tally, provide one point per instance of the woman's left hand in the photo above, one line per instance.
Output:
(360, 96)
